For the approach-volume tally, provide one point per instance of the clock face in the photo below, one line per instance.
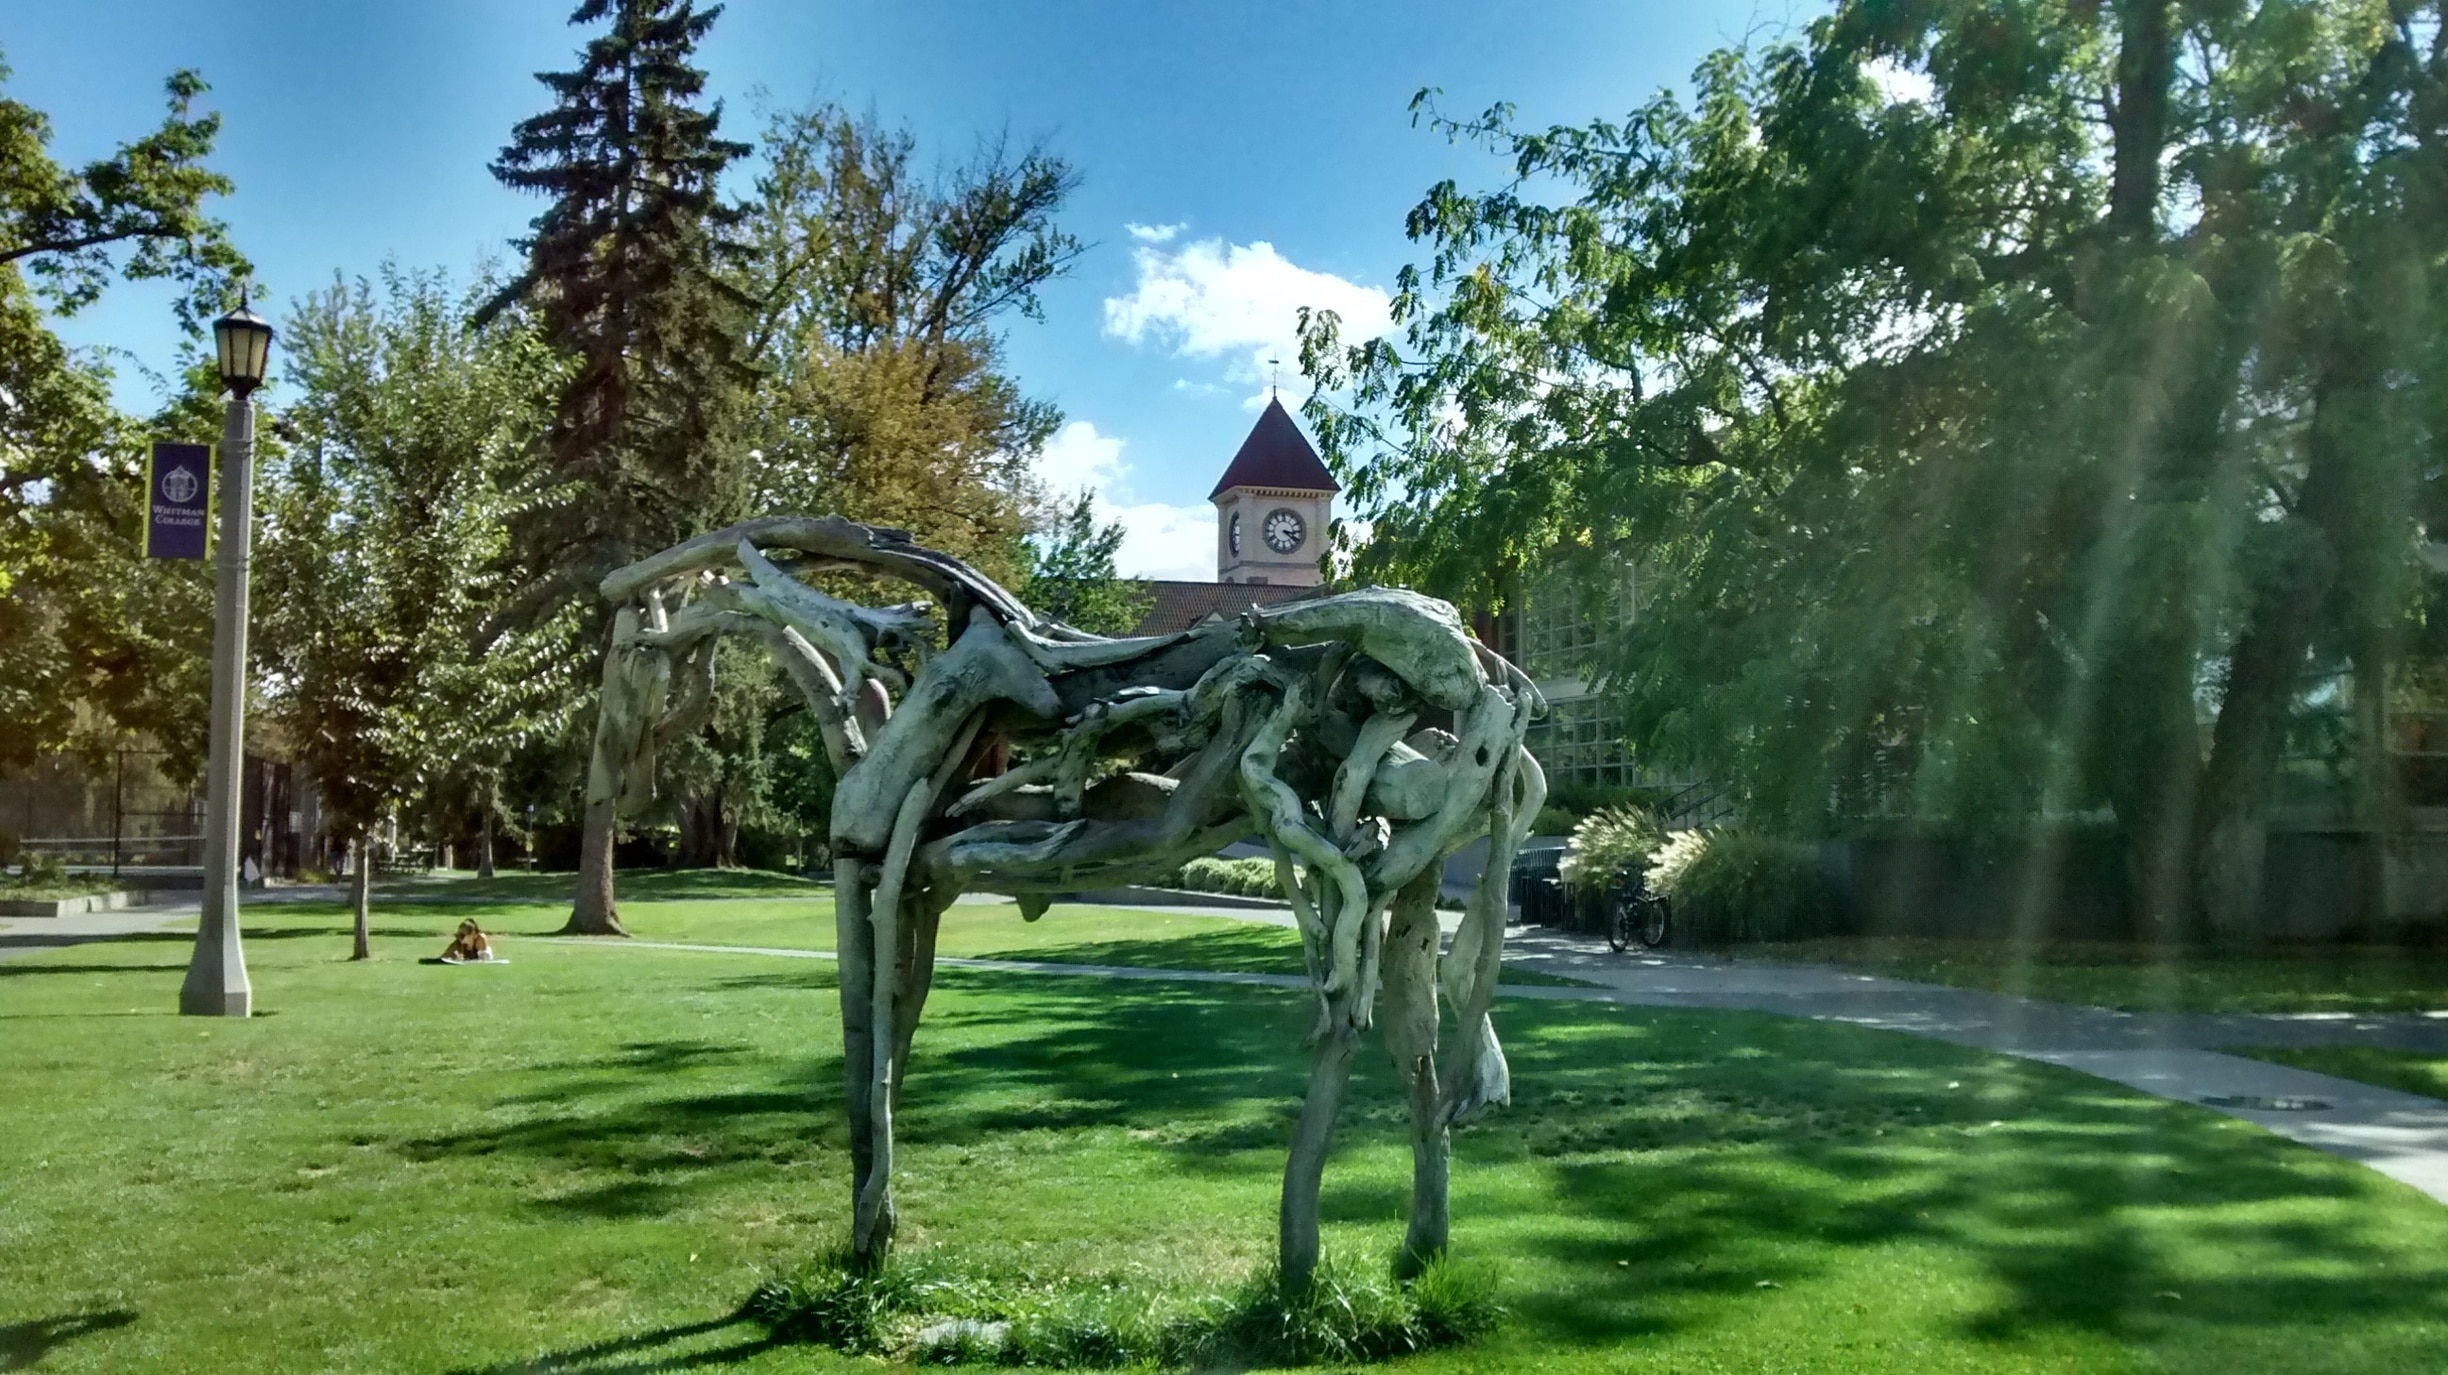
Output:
(1285, 530)
(1232, 532)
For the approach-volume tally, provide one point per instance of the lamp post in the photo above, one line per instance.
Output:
(216, 983)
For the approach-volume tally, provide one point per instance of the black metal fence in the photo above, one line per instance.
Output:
(130, 815)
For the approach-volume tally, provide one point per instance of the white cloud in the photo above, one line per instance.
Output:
(1159, 540)
(1153, 233)
(1077, 456)
(1239, 303)
(1898, 83)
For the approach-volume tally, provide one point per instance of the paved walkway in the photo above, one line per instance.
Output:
(2401, 1135)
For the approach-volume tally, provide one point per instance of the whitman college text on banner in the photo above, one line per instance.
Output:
(178, 489)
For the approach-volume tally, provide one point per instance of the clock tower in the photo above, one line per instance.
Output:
(1272, 506)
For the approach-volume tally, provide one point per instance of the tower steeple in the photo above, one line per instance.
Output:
(1272, 506)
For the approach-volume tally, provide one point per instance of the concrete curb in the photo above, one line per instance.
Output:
(74, 907)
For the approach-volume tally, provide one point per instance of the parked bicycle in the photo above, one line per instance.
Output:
(1634, 915)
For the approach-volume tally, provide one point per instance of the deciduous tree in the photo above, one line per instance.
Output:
(100, 643)
(385, 554)
(2017, 410)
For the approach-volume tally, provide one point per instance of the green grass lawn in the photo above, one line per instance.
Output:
(744, 907)
(2135, 978)
(586, 1158)
(2411, 1071)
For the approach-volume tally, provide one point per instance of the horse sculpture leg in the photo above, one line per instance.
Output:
(855, 957)
(1407, 1013)
(1330, 1064)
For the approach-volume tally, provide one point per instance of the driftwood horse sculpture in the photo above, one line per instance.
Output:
(1364, 737)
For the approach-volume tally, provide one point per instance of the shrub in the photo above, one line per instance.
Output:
(1610, 841)
(832, 1302)
(1241, 878)
(938, 1316)
(1731, 885)
(1673, 858)
(41, 870)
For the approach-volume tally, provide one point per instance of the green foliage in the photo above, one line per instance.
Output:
(1071, 574)
(1242, 878)
(1732, 885)
(387, 547)
(1985, 457)
(41, 869)
(102, 643)
(832, 1301)
(878, 292)
(67, 229)
(621, 279)
(1608, 842)
(1066, 1323)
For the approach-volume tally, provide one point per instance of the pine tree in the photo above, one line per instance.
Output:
(1071, 574)
(620, 275)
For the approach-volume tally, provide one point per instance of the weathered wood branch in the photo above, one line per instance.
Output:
(1294, 724)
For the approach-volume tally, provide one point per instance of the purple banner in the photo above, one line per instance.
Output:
(178, 498)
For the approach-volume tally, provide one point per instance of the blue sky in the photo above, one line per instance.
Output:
(1240, 160)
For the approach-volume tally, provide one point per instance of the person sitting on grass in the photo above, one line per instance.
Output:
(469, 946)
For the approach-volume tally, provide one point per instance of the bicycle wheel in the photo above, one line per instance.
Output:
(1655, 916)
(1622, 920)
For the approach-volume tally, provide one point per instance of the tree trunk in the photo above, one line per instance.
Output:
(484, 840)
(2146, 65)
(2240, 783)
(360, 884)
(596, 911)
(2379, 800)
(1296, 1238)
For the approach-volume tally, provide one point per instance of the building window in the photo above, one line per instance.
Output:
(1560, 631)
(1579, 749)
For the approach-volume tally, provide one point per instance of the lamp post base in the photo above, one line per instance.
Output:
(216, 1003)
(217, 983)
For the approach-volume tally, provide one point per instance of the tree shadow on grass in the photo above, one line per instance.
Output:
(24, 1344)
(1706, 1152)
(635, 1355)
(183, 940)
(636, 885)
(592, 1119)
(1254, 950)
(1711, 1151)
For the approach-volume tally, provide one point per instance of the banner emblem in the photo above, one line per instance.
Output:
(178, 488)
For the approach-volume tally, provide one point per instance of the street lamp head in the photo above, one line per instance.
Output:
(244, 341)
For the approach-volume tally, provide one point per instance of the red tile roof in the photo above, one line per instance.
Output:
(1181, 605)
(1276, 455)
